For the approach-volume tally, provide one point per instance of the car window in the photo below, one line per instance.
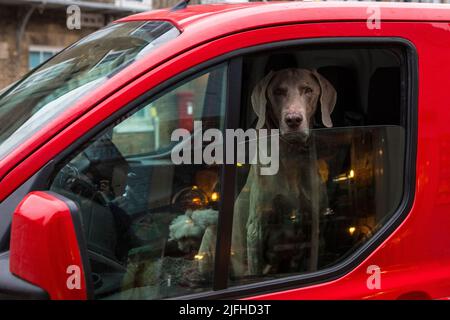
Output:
(73, 73)
(149, 130)
(150, 224)
(340, 117)
(319, 154)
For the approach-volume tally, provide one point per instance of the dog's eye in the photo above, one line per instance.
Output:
(307, 90)
(280, 92)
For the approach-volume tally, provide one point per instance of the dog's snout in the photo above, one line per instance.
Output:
(293, 120)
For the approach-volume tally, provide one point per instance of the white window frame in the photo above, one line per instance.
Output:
(144, 4)
(222, 1)
(41, 49)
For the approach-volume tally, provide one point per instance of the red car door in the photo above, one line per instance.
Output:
(386, 250)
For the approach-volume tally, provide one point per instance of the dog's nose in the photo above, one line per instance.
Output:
(293, 120)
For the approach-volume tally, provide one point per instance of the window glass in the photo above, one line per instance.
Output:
(53, 87)
(34, 59)
(340, 117)
(149, 130)
(150, 224)
(337, 153)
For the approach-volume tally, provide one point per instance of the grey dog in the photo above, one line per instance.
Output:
(288, 100)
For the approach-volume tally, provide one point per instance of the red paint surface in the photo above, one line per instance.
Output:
(415, 259)
(44, 245)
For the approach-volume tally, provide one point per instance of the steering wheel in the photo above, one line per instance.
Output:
(70, 179)
(190, 198)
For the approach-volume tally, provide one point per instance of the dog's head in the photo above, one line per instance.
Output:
(289, 98)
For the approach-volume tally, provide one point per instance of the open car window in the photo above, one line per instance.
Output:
(341, 116)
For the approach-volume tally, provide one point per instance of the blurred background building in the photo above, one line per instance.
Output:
(31, 31)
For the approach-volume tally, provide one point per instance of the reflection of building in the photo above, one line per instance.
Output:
(139, 133)
(151, 128)
(34, 30)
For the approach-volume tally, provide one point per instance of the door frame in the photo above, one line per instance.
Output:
(225, 220)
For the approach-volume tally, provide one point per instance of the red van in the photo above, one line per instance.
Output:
(93, 205)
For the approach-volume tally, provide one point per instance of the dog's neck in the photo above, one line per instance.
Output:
(297, 152)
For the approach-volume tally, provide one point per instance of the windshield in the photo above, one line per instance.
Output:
(26, 106)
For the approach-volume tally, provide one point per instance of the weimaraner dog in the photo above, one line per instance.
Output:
(261, 242)
(287, 100)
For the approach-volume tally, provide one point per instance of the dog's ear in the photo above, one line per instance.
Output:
(259, 99)
(328, 98)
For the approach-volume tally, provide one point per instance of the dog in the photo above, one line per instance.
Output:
(271, 210)
(262, 241)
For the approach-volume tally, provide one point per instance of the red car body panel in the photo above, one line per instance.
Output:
(46, 239)
(415, 259)
(227, 18)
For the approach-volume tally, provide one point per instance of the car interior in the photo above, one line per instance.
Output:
(369, 114)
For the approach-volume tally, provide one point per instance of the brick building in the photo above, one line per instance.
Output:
(31, 31)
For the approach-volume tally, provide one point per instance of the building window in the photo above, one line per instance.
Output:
(40, 54)
(219, 1)
(140, 4)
